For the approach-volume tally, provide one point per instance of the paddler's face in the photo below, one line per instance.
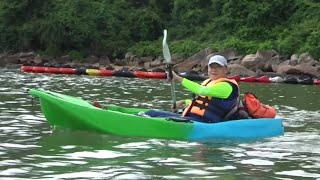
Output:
(216, 71)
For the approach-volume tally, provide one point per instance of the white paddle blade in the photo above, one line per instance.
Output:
(165, 48)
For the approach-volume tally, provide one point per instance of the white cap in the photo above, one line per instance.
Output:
(218, 59)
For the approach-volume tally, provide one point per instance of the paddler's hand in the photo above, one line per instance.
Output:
(175, 77)
(178, 104)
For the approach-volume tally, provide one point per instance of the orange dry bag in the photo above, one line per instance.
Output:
(256, 109)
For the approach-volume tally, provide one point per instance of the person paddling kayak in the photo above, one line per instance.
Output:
(215, 97)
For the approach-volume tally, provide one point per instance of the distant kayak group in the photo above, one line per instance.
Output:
(160, 74)
(110, 71)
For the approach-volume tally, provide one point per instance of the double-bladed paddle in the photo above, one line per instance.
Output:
(167, 57)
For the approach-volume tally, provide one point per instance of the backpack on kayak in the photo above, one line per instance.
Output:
(255, 108)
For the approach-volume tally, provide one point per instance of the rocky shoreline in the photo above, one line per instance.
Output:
(268, 63)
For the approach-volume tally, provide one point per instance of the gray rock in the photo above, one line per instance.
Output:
(236, 69)
(273, 61)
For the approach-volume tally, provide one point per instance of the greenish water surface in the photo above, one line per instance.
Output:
(30, 148)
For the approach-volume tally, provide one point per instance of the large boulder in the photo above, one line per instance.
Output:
(274, 61)
(38, 59)
(306, 58)
(129, 56)
(146, 65)
(104, 61)
(26, 55)
(11, 59)
(201, 55)
(230, 54)
(297, 65)
(196, 62)
(303, 68)
(131, 59)
(258, 60)
(250, 61)
(134, 61)
(236, 69)
(176, 58)
(187, 65)
(120, 62)
(155, 63)
(294, 59)
(150, 62)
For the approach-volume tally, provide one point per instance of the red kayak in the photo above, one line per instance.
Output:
(104, 72)
(263, 79)
(38, 69)
(235, 77)
(145, 74)
(67, 71)
(26, 68)
(249, 79)
(316, 82)
(52, 70)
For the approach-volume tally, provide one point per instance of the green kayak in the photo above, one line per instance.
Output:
(74, 113)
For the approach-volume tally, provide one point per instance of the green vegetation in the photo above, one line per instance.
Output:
(113, 27)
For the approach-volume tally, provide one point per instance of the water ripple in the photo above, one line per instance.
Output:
(31, 149)
(102, 154)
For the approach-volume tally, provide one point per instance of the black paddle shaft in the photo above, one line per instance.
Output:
(170, 75)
